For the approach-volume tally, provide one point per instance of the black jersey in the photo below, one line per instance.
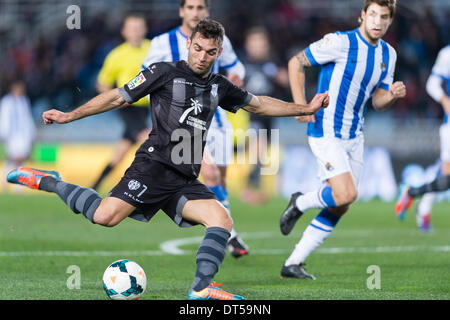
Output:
(182, 108)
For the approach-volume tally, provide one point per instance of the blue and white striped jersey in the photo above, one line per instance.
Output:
(441, 69)
(352, 69)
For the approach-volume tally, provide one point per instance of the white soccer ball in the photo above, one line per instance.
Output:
(124, 280)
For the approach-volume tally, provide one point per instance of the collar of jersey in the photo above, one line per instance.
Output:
(179, 30)
(365, 41)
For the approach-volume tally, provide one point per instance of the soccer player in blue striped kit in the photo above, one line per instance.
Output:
(356, 65)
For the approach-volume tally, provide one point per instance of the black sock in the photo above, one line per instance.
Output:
(441, 183)
(78, 199)
(210, 255)
(102, 176)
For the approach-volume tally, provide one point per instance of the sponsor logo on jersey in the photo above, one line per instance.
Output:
(196, 108)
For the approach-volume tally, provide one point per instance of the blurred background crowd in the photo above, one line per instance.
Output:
(60, 66)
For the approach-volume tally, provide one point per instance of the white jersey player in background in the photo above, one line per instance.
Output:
(17, 128)
(438, 79)
(356, 65)
(171, 46)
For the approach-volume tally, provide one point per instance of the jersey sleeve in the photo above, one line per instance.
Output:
(146, 82)
(389, 78)
(228, 60)
(159, 51)
(109, 72)
(441, 67)
(232, 98)
(325, 50)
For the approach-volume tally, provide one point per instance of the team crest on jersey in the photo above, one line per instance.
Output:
(136, 82)
(134, 185)
(329, 166)
(383, 66)
(214, 88)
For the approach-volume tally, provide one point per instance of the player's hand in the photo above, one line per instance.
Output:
(53, 115)
(237, 81)
(321, 100)
(397, 90)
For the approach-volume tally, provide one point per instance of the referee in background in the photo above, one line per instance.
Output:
(121, 65)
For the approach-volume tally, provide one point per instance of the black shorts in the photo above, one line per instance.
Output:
(151, 186)
(135, 120)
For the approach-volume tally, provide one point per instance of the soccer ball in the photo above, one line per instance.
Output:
(124, 280)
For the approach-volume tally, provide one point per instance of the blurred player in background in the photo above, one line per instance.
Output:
(439, 77)
(155, 180)
(263, 77)
(17, 128)
(171, 46)
(120, 65)
(356, 65)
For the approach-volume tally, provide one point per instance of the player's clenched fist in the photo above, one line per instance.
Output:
(398, 90)
(57, 116)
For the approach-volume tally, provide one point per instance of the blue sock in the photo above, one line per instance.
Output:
(326, 197)
(325, 221)
(221, 194)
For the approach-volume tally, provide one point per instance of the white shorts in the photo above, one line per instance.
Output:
(336, 156)
(444, 134)
(219, 142)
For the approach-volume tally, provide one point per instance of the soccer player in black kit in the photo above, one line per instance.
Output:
(163, 175)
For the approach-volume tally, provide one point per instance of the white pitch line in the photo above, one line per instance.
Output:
(173, 246)
(341, 250)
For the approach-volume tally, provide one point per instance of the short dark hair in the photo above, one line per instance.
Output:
(383, 3)
(183, 2)
(210, 29)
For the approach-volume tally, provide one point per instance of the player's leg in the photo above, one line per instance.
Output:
(340, 192)
(333, 161)
(441, 183)
(423, 215)
(217, 155)
(212, 250)
(319, 229)
(107, 212)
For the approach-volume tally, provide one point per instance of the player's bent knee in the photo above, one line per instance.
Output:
(105, 218)
(345, 198)
(221, 218)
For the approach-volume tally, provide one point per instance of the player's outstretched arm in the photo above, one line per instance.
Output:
(267, 106)
(383, 99)
(103, 102)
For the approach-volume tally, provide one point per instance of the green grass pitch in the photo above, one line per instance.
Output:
(40, 238)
